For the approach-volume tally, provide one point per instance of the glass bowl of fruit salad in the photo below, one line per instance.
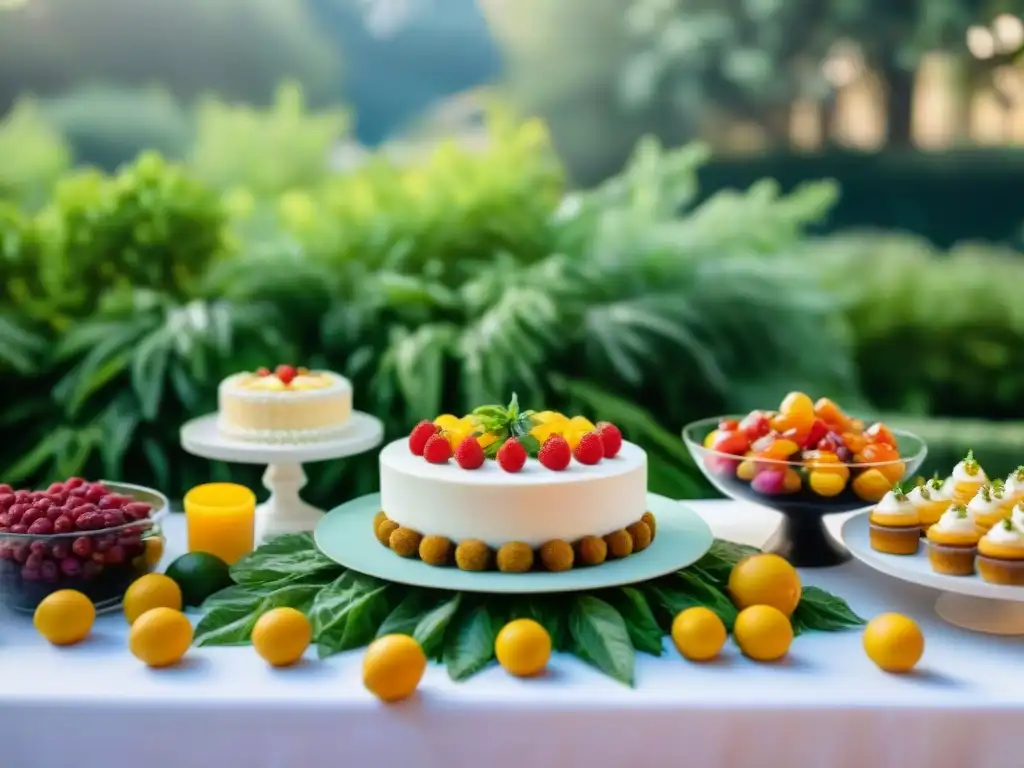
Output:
(805, 460)
(94, 537)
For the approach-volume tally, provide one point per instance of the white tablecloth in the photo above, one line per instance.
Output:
(94, 705)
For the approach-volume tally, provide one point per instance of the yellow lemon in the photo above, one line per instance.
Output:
(486, 439)
(523, 647)
(765, 580)
(581, 424)
(160, 637)
(447, 421)
(894, 642)
(548, 417)
(763, 633)
(154, 590)
(64, 617)
(281, 636)
(393, 667)
(154, 551)
(543, 431)
(456, 435)
(698, 634)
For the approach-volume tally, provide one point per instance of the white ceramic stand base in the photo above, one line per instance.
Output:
(967, 602)
(284, 511)
(981, 614)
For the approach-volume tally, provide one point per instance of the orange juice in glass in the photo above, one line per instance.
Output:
(221, 520)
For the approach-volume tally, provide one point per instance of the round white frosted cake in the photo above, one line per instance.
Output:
(287, 405)
(513, 490)
(534, 505)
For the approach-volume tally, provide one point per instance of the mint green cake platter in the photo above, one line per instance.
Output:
(345, 534)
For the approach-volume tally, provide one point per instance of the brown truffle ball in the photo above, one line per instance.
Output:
(515, 557)
(648, 518)
(620, 544)
(405, 542)
(591, 550)
(436, 550)
(557, 555)
(384, 530)
(473, 555)
(641, 536)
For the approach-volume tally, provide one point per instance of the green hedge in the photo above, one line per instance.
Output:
(947, 197)
(434, 286)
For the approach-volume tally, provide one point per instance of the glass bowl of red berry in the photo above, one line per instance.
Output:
(805, 460)
(94, 537)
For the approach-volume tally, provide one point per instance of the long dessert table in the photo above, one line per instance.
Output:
(94, 705)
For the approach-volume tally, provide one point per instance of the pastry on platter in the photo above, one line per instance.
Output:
(930, 499)
(1014, 487)
(966, 478)
(953, 542)
(894, 525)
(988, 506)
(286, 405)
(514, 490)
(1001, 554)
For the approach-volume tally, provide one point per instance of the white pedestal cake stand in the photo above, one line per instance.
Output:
(284, 511)
(965, 601)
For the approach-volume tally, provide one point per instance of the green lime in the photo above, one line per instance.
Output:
(199, 574)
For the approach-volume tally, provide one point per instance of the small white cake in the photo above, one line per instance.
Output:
(533, 506)
(287, 405)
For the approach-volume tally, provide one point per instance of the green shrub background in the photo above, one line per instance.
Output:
(453, 280)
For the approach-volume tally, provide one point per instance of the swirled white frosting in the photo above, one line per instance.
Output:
(1017, 516)
(930, 493)
(893, 506)
(961, 475)
(1015, 484)
(1006, 534)
(985, 501)
(957, 521)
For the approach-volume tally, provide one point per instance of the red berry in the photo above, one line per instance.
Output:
(60, 550)
(90, 521)
(611, 438)
(70, 566)
(114, 555)
(19, 528)
(113, 518)
(437, 450)
(285, 373)
(113, 501)
(756, 424)
(30, 573)
(55, 488)
(136, 511)
(6, 500)
(555, 454)
(819, 430)
(262, 371)
(63, 524)
(32, 515)
(83, 546)
(94, 494)
(15, 512)
(6, 489)
(41, 527)
(512, 455)
(419, 436)
(469, 454)
(590, 449)
(49, 570)
(74, 482)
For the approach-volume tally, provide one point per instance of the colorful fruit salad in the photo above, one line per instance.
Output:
(508, 435)
(87, 536)
(809, 448)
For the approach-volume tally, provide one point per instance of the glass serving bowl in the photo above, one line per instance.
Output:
(100, 563)
(786, 487)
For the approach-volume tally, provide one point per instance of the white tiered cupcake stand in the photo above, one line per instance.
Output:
(965, 601)
(284, 511)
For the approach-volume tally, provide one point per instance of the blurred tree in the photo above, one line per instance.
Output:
(32, 155)
(237, 48)
(665, 64)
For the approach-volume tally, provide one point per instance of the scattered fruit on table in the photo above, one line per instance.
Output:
(698, 634)
(393, 666)
(509, 436)
(64, 617)
(523, 648)
(74, 534)
(894, 642)
(809, 448)
(160, 637)
(765, 579)
(763, 633)
(281, 636)
(154, 590)
(199, 575)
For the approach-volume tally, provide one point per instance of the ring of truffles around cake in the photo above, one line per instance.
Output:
(514, 490)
